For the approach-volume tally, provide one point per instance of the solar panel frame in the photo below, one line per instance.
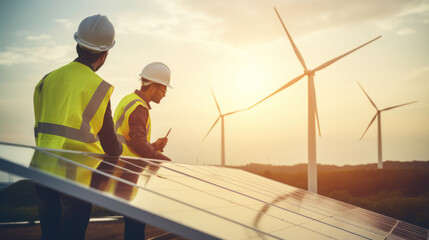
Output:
(108, 202)
(280, 211)
(144, 216)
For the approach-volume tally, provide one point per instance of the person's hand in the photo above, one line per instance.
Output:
(160, 144)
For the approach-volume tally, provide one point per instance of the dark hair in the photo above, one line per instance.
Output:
(144, 88)
(85, 54)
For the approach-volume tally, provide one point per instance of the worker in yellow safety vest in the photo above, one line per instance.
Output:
(133, 128)
(72, 111)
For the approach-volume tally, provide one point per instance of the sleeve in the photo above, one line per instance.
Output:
(138, 135)
(109, 142)
(36, 102)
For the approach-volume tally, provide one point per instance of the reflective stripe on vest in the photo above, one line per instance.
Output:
(119, 122)
(82, 134)
(69, 108)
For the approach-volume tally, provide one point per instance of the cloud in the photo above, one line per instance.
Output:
(338, 13)
(419, 72)
(254, 21)
(20, 55)
(414, 7)
(39, 37)
(406, 31)
(67, 23)
(174, 24)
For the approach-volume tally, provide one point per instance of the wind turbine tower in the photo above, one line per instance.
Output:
(378, 116)
(221, 117)
(312, 105)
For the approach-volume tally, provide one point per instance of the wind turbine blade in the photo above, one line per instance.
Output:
(244, 109)
(280, 89)
(373, 104)
(297, 53)
(369, 125)
(217, 105)
(345, 54)
(211, 128)
(315, 110)
(397, 106)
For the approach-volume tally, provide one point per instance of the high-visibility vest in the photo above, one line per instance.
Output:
(122, 128)
(69, 108)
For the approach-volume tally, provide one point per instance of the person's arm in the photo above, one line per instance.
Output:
(109, 142)
(138, 140)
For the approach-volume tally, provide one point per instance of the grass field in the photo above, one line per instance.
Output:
(112, 230)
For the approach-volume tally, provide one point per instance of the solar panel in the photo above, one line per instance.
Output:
(200, 202)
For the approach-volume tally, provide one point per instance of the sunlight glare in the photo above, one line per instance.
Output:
(249, 79)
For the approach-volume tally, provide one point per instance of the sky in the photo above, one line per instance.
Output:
(240, 49)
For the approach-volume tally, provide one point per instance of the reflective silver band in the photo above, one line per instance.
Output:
(121, 138)
(84, 133)
(122, 117)
(93, 105)
(67, 132)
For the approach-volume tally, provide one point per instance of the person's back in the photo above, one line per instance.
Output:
(72, 116)
(72, 111)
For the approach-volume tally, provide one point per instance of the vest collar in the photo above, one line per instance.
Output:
(80, 60)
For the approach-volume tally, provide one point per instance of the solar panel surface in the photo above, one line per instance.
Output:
(200, 202)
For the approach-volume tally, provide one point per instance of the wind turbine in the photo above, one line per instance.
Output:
(378, 115)
(221, 117)
(312, 106)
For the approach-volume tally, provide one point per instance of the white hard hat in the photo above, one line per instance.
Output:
(157, 72)
(96, 33)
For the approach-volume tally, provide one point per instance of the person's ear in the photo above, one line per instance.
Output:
(152, 88)
(104, 56)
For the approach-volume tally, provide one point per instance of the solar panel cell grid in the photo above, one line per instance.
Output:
(200, 201)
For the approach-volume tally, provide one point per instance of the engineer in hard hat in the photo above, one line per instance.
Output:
(133, 125)
(72, 111)
(132, 118)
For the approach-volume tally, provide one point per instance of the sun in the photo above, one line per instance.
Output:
(249, 79)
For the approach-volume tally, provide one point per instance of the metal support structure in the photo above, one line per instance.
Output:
(312, 162)
(223, 143)
(380, 152)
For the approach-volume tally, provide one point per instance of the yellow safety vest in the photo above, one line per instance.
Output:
(122, 128)
(69, 108)
(122, 114)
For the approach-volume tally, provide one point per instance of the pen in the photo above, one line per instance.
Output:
(168, 133)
